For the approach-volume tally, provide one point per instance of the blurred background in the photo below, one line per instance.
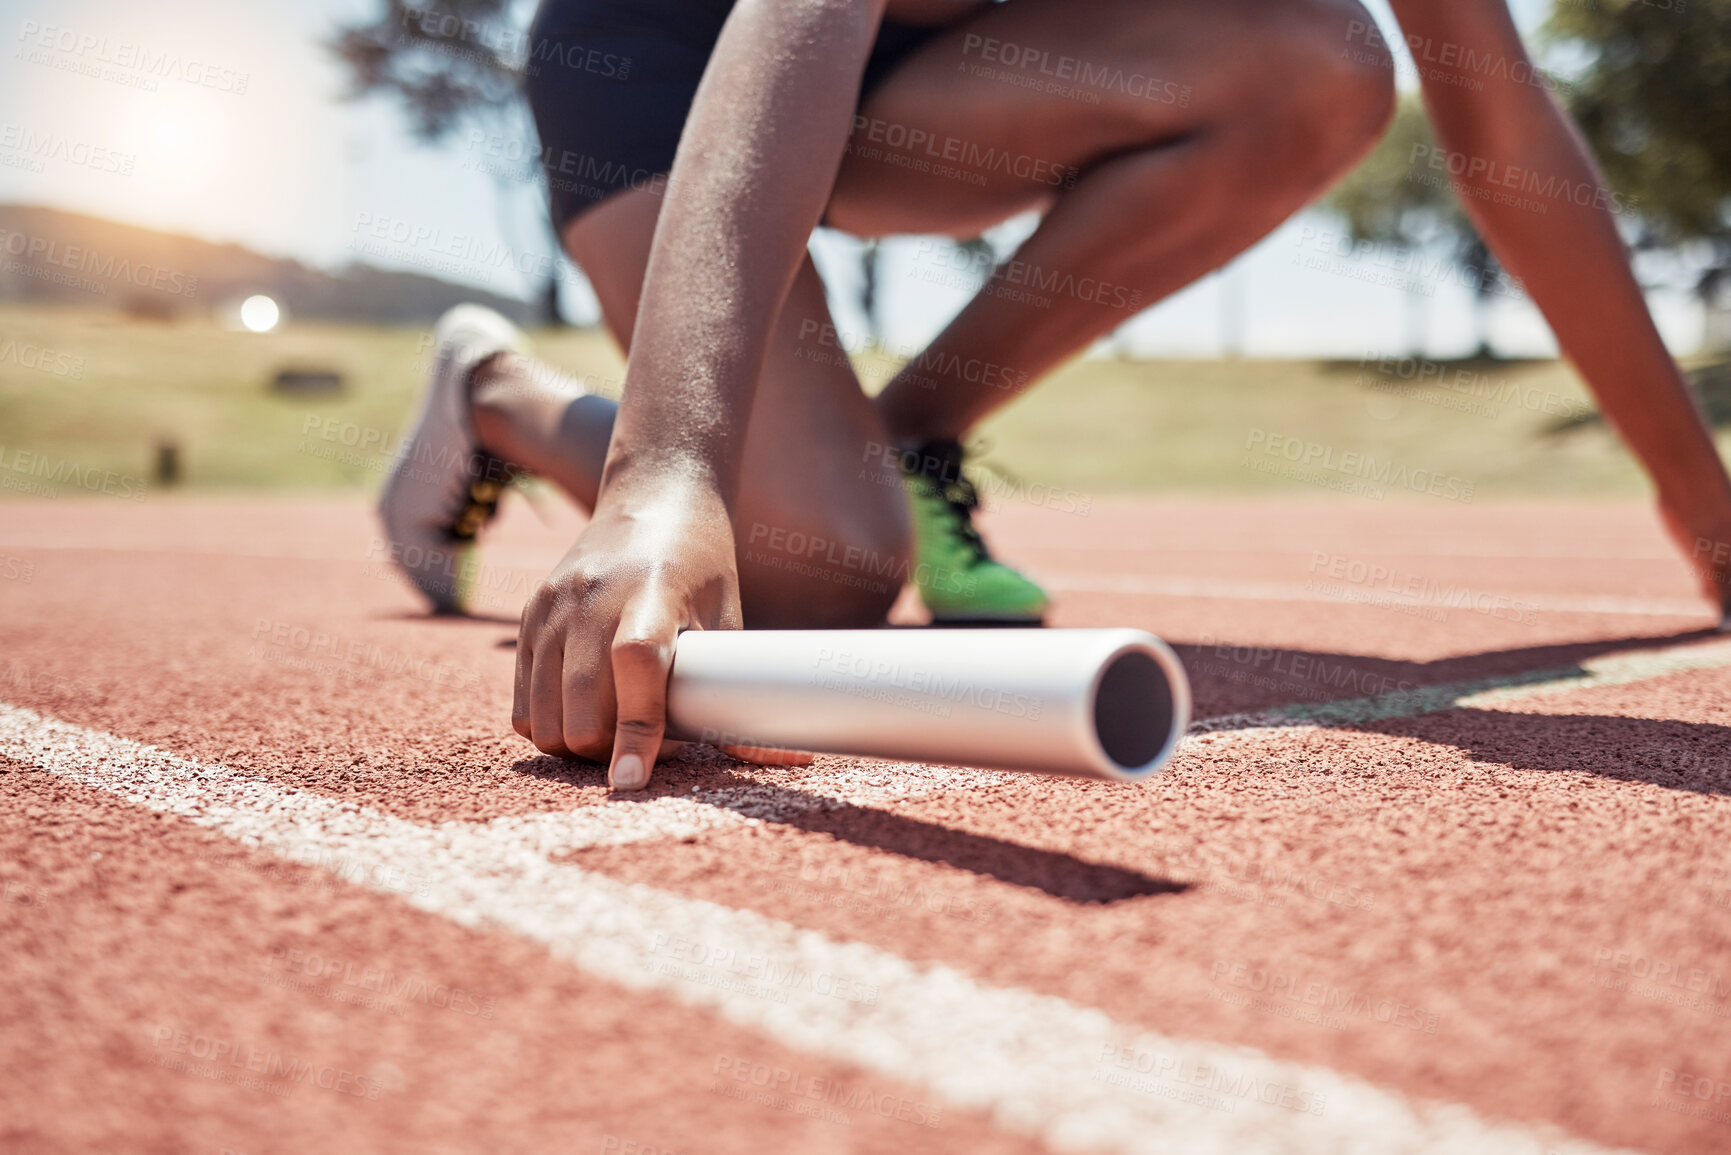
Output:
(225, 230)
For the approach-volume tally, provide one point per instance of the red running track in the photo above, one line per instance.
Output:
(1521, 906)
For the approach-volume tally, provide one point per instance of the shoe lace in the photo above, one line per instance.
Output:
(489, 479)
(957, 492)
(962, 498)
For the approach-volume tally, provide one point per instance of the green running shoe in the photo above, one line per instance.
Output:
(957, 578)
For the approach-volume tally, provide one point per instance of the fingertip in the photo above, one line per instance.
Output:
(642, 655)
(629, 772)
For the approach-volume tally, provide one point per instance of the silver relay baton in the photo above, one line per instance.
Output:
(1110, 703)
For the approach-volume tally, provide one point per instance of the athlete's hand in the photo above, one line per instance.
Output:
(597, 638)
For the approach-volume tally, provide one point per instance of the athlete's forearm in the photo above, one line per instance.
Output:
(1571, 260)
(1531, 187)
(755, 166)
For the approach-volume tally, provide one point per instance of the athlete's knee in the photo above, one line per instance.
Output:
(1342, 72)
(868, 557)
(846, 578)
(839, 569)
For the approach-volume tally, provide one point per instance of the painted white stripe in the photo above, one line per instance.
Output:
(1037, 1064)
(1228, 590)
(610, 824)
(797, 790)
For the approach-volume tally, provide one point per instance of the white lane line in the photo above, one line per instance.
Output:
(1484, 693)
(1038, 1064)
(1230, 590)
(796, 790)
(609, 824)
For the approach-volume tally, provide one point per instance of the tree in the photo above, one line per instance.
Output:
(447, 63)
(1380, 200)
(1393, 199)
(1654, 100)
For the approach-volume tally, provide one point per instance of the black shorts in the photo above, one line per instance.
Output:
(611, 83)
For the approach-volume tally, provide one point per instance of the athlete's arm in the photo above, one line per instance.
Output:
(756, 162)
(1513, 146)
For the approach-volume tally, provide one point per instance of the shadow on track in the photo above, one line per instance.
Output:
(1060, 875)
(1676, 755)
(1242, 678)
(447, 619)
(432, 619)
(1052, 872)
(1691, 756)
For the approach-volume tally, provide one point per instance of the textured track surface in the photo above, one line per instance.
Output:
(277, 875)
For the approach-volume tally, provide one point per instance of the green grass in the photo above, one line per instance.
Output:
(1192, 425)
(1095, 426)
(1106, 426)
(208, 390)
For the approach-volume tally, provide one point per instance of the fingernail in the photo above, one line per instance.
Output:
(629, 772)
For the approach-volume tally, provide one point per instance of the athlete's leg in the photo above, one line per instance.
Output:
(1192, 131)
(1212, 124)
(820, 520)
(538, 418)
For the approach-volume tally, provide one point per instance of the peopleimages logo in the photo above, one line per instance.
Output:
(42, 359)
(1401, 374)
(1688, 1093)
(1231, 1086)
(433, 248)
(797, 1085)
(1296, 667)
(40, 147)
(108, 267)
(972, 159)
(1085, 74)
(1327, 998)
(1354, 464)
(945, 259)
(515, 46)
(1487, 170)
(724, 966)
(853, 566)
(37, 473)
(375, 980)
(91, 51)
(841, 670)
(303, 647)
(1365, 581)
(1663, 972)
(254, 1068)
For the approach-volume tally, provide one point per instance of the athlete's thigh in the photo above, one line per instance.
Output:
(1004, 111)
